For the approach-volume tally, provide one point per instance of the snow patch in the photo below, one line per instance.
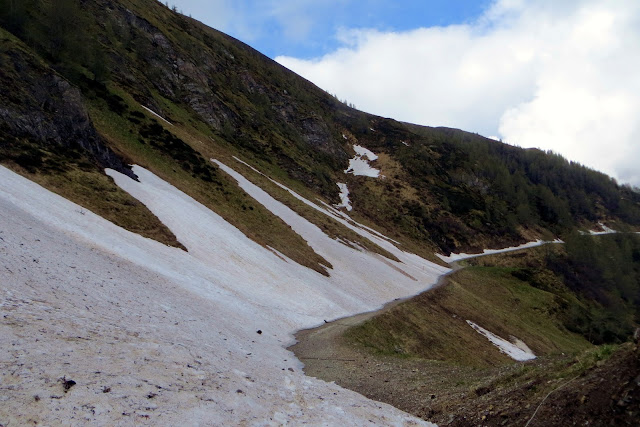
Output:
(344, 197)
(365, 153)
(353, 224)
(157, 115)
(461, 256)
(516, 350)
(360, 166)
(344, 219)
(605, 230)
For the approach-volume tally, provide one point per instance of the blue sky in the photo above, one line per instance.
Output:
(557, 75)
(307, 29)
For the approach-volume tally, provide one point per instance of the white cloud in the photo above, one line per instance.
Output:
(297, 18)
(253, 20)
(555, 75)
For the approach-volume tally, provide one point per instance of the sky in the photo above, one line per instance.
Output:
(556, 75)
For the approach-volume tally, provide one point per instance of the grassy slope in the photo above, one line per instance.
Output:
(220, 193)
(433, 325)
(69, 172)
(227, 99)
(422, 357)
(556, 298)
(596, 281)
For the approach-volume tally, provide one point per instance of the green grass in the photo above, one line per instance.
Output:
(594, 280)
(433, 325)
(555, 372)
(222, 194)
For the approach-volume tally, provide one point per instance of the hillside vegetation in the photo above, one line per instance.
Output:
(556, 298)
(575, 305)
(443, 189)
(434, 325)
(89, 85)
(594, 279)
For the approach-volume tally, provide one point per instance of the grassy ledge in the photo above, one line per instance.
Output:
(96, 192)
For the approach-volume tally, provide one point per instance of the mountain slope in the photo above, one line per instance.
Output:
(424, 357)
(129, 330)
(442, 190)
(183, 135)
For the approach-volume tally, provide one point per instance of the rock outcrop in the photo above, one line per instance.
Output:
(39, 106)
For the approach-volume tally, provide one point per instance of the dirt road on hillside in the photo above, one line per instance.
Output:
(457, 396)
(326, 343)
(408, 384)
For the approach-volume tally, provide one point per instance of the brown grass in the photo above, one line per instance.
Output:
(98, 193)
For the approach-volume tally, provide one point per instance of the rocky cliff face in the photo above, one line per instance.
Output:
(232, 88)
(40, 107)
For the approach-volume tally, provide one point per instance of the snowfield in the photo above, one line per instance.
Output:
(142, 333)
(458, 257)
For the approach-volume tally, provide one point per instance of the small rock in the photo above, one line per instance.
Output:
(67, 384)
(259, 331)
